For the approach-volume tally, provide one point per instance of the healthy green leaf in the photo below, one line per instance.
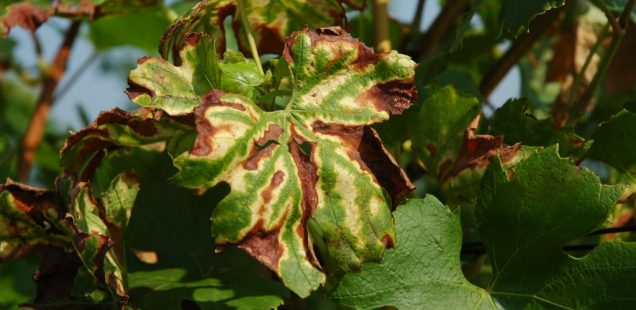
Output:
(513, 123)
(523, 230)
(313, 164)
(517, 14)
(440, 125)
(118, 30)
(271, 22)
(423, 271)
(614, 142)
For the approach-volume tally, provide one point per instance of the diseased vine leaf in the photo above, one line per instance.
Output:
(313, 164)
(26, 216)
(271, 21)
(516, 126)
(523, 230)
(31, 14)
(614, 142)
(156, 83)
(517, 14)
(99, 221)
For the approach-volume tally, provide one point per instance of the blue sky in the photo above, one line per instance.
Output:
(97, 92)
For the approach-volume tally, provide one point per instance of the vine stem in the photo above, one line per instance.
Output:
(37, 123)
(249, 35)
(381, 26)
(431, 40)
(518, 49)
(478, 247)
(586, 64)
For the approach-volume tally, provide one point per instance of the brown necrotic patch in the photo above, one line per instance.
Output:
(308, 176)
(205, 129)
(264, 147)
(277, 179)
(264, 244)
(25, 15)
(393, 97)
(364, 146)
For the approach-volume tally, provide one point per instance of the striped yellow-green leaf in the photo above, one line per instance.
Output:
(271, 22)
(98, 222)
(156, 83)
(313, 171)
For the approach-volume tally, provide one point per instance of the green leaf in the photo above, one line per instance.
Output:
(236, 286)
(513, 123)
(613, 142)
(516, 15)
(312, 164)
(271, 22)
(139, 29)
(16, 283)
(523, 230)
(440, 125)
(423, 271)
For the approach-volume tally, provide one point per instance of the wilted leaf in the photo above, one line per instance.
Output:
(517, 14)
(28, 217)
(31, 14)
(523, 230)
(313, 164)
(271, 22)
(614, 142)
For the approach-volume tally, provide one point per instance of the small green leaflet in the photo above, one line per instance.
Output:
(517, 14)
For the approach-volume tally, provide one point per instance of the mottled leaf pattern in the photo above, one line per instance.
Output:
(313, 164)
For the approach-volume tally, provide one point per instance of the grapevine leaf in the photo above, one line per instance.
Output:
(516, 15)
(448, 148)
(613, 142)
(440, 124)
(172, 226)
(234, 287)
(26, 217)
(156, 83)
(271, 21)
(523, 230)
(314, 164)
(32, 13)
(113, 31)
(84, 150)
(98, 223)
(31, 219)
(429, 241)
(515, 125)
